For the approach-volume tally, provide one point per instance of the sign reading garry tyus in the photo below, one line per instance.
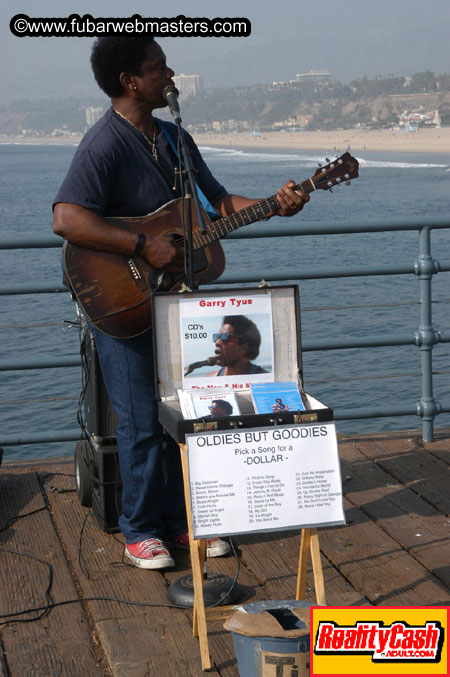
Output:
(264, 479)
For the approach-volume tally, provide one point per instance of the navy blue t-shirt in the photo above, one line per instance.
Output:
(113, 172)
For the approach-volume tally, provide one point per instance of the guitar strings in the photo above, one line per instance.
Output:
(225, 225)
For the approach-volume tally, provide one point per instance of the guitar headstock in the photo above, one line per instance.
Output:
(341, 170)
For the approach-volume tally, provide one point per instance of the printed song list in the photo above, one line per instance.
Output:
(209, 500)
(261, 480)
(265, 496)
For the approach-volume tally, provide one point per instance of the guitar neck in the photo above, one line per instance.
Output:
(256, 212)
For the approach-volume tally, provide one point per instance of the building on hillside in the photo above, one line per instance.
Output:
(93, 113)
(314, 76)
(188, 85)
(419, 117)
(227, 126)
(303, 120)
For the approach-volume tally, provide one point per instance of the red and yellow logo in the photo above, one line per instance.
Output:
(379, 641)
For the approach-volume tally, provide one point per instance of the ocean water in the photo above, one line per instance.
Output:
(391, 186)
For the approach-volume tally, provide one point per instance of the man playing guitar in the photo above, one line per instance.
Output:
(124, 167)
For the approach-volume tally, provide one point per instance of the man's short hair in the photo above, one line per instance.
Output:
(113, 55)
(247, 332)
(223, 404)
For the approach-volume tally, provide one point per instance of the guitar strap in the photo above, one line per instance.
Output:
(203, 199)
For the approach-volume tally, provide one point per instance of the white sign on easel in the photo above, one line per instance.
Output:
(264, 479)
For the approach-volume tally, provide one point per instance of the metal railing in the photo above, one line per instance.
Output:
(425, 337)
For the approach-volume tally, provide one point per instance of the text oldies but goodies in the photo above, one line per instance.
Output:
(262, 435)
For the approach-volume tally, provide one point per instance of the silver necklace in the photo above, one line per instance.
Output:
(151, 143)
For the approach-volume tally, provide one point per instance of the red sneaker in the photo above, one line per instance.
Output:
(149, 554)
(215, 547)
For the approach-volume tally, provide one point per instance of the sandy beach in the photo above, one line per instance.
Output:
(423, 141)
(385, 140)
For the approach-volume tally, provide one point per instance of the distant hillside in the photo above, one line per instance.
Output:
(325, 105)
(329, 105)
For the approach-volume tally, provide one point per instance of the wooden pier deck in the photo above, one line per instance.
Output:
(394, 550)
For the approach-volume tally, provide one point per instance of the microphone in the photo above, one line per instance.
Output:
(204, 363)
(171, 93)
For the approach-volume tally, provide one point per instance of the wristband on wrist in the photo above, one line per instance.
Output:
(142, 239)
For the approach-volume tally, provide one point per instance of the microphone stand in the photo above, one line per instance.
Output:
(190, 195)
(217, 588)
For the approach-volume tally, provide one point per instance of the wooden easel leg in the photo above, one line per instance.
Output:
(197, 550)
(319, 583)
(309, 542)
(303, 563)
(199, 627)
(201, 557)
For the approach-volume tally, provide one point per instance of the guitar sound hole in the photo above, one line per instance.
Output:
(200, 260)
(178, 240)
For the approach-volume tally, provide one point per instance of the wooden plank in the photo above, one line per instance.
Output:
(417, 469)
(99, 564)
(273, 558)
(276, 563)
(222, 650)
(377, 566)
(41, 647)
(415, 524)
(363, 562)
(38, 465)
(228, 565)
(143, 646)
(99, 549)
(220, 613)
(220, 640)
(440, 448)
(3, 666)
(103, 574)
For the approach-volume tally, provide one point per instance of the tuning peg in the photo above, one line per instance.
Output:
(338, 179)
(327, 159)
(348, 183)
(331, 190)
(319, 164)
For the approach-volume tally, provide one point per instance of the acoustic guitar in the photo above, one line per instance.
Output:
(114, 290)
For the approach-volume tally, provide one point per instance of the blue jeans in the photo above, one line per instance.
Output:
(152, 499)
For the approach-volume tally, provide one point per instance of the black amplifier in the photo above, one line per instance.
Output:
(99, 417)
(98, 481)
(106, 487)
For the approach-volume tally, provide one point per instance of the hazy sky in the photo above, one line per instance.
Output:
(350, 38)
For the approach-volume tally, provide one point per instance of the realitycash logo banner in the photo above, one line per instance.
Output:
(379, 641)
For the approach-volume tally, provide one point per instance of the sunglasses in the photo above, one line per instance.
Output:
(223, 337)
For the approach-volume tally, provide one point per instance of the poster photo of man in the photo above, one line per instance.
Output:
(226, 341)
